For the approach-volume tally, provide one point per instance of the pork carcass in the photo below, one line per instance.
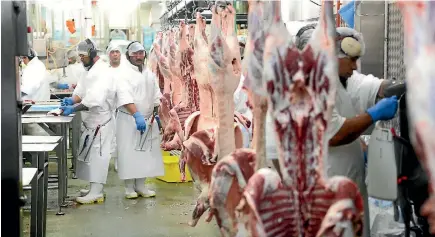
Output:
(231, 174)
(420, 43)
(301, 88)
(212, 133)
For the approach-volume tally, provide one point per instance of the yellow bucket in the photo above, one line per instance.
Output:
(172, 171)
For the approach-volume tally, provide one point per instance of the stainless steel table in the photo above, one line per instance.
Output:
(39, 186)
(59, 127)
(40, 139)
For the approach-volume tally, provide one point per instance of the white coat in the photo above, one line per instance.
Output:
(144, 92)
(34, 81)
(35, 84)
(240, 102)
(98, 92)
(348, 160)
(73, 73)
(118, 73)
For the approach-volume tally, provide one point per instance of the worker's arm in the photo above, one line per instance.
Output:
(131, 108)
(347, 130)
(80, 107)
(351, 129)
(76, 99)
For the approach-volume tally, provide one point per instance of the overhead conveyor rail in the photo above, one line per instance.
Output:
(186, 9)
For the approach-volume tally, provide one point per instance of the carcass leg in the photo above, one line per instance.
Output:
(202, 205)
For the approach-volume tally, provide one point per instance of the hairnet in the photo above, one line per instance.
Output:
(304, 35)
(350, 43)
(83, 47)
(111, 48)
(135, 47)
(72, 54)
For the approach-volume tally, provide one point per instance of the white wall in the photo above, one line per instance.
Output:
(297, 10)
(156, 11)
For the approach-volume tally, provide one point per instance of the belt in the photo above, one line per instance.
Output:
(131, 114)
(101, 125)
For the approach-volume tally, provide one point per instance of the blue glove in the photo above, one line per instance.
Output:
(67, 101)
(385, 109)
(67, 110)
(140, 122)
(62, 86)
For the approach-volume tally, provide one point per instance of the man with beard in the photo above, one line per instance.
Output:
(139, 155)
(95, 95)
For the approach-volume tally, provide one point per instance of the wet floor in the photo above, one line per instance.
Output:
(165, 215)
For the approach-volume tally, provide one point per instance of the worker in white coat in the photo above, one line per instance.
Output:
(355, 111)
(34, 86)
(139, 154)
(95, 94)
(118, 72)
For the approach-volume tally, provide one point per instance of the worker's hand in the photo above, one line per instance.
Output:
(63, 86)
(67, 101)
(140, 122)
(67, 110)
(428, 210)
(385, 109)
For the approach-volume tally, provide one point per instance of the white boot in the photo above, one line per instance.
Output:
(95, 194)
(84, 192)
(129, 189)
(139, 187)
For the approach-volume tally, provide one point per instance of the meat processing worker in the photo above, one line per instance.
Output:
(74, 71)
(137, 133)
(34, 86)
(114, 56)
(95, 95)
(355, 110)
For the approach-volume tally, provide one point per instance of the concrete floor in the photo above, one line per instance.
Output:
(165, 215)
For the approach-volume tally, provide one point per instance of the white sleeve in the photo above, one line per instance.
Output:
(365, 87)
(157, 93)
(96, 94)
(335, 123)
(80, 89)
(124, 92)
(32, 80)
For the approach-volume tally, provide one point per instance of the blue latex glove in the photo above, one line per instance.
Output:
(67, 110)
(385, 109)
(67, 101)
(140, 122)
(62, 86)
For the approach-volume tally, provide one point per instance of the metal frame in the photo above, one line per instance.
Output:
(14, 43)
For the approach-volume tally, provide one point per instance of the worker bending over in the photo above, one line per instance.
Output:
(137, 133)
(95, 94)
(34, 86)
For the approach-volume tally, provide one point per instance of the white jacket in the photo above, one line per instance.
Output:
(34, 81)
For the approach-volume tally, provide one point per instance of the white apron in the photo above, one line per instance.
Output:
(132, 163)
(348, 160)
(113, 149)
(98, 92)
(93, 167)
